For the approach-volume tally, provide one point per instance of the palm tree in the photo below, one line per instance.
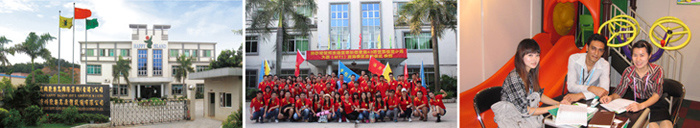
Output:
(3, 56)
(34, 46)
(265, 13)
(441, 15)
(184, 68)
(121, 69)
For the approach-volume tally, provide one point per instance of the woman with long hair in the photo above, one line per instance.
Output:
(337, 106)
(378, 107)
(364, 107)
(521, 90)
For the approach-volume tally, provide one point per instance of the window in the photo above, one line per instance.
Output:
(397, 8)
(120, 89)
(174, 53)
(202, 68)
(225, 99)
(101, 52)
(110, 52)
(157, 62)
(207, 53)
(124, 52)
(200, 91)
(94, 69)
(290, 72)
(429, 73)
(251, 45)
(421, 41)
(340, 30)
(251, 78)
(90, 52)
(186, 52)
(371, 25)
(194, 53)
(142, 62)
(174, 70)
(297, 42)
(177, 89)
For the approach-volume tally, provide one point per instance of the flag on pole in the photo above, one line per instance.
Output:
(422, 75)
(391, 43)
(375, 66)
(65, 22)
(337, 42)
(348, 47)
(360, 41)
(329, 43)
(405, 72)
(267, 68)
(261, 73)
(300, 59)
(386, 71)
(379, 39)
(91, 23)
(80, 13)
(346, 72)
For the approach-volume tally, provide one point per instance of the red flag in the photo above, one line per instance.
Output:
(300, 59)
(80, 13)
(361, 41)
(375, 66)
(405, 72)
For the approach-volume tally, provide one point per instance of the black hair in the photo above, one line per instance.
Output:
(258, 92)
(642, 44)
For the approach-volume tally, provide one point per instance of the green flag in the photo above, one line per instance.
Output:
(91, 23)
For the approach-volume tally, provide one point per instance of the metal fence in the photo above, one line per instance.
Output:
(133, 113)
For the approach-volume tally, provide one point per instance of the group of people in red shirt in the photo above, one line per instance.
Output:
(325, 98)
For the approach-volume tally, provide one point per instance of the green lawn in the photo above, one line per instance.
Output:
(54, 126)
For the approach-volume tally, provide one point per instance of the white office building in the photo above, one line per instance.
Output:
(152, 65)
(338, 25)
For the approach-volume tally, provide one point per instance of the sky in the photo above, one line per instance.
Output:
(190, 20)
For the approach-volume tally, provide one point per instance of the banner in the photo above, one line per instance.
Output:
(87, 98)
(355, 54)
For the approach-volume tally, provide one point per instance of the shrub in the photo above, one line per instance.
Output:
(96, 118)
(69, 115)
(250, 93)
(13, 119)
(53, 118)
(234, 120)
(3, 113)
(32, 115)
(116, 100)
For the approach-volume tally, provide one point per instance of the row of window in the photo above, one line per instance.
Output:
(301, 43)
(189, 52)
(126, 53)
(157, 68)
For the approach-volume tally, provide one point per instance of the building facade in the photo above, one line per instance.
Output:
(223, 91)
(153, 61)
(340, 25)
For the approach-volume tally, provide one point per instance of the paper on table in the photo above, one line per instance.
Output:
(618, 105)
(571, 115)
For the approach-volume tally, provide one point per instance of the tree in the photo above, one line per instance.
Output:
(9, 73)
(227, 58)
(3, 56)
(184, 68)
(265, 13)
(34, 46)
(65, 78)
(441, 15)
(121, 69)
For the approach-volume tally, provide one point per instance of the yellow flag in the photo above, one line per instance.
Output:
(267, 68)
(379, 39)
(65, 22)
(386, 71)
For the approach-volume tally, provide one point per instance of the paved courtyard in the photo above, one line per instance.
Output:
(448, 121)
(199, 122)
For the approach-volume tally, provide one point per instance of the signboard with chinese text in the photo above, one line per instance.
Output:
(87, 98)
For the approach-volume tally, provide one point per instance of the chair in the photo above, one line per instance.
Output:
(674, 93)
(484, 99)
(585, 24)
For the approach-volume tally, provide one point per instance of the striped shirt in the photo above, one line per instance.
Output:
(644, 86)
(514, 91)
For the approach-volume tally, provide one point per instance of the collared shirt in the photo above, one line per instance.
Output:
(514, 92)
(579, 78)
(644, 85)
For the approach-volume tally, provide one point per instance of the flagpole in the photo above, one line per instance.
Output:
(72, 54)
(59, 48)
